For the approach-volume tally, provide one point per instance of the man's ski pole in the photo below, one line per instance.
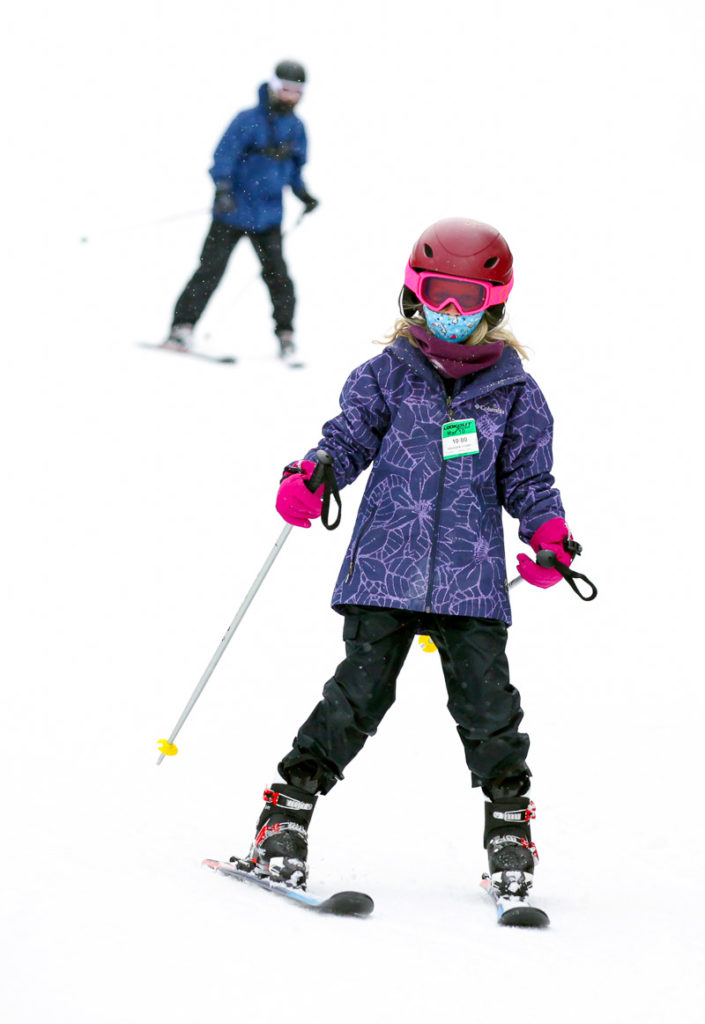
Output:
(248, 284)
(122, 229)
(321, 475)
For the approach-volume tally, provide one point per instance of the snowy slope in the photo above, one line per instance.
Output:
(139, 507)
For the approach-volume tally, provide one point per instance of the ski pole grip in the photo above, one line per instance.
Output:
(323, 459)
(324, 474)
(548, 560)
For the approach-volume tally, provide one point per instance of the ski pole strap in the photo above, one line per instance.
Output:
(324, 474)
(548, 560)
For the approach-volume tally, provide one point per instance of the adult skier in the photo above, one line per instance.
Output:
(262, 151)
(455, 430)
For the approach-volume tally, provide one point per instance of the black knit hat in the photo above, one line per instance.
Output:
(290, 71)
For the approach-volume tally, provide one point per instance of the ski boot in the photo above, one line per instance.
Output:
(287, 346)
(280, 848)
(507, 838)
(180, 337)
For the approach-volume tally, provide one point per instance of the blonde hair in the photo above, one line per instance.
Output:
(482, 335)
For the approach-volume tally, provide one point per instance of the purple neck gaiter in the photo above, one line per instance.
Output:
(453, 360)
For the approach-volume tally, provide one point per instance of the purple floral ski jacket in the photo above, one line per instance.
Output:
(428, 535)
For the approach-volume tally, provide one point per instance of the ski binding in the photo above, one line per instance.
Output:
(514, 909)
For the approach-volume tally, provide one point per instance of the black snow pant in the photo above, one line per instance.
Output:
(217, 248)
(484, 705)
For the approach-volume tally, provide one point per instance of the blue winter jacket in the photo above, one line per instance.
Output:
(257, 179)
(428, 535)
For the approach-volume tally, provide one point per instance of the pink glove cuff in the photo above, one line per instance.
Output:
(295, 503)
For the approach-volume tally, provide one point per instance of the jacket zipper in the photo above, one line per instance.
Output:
(437, 515)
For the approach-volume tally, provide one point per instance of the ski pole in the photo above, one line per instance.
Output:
(187, 215)
(148, 224)
(549, 560)
(321, 474)
(258, 273)
(294, 226)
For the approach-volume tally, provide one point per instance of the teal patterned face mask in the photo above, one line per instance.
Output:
(451, 328)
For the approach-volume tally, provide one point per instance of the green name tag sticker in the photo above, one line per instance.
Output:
(459, 437)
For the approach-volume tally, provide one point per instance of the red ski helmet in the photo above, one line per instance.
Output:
(462, 248)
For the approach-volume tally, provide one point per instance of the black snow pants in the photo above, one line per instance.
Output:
(217, 249)
(484, 705)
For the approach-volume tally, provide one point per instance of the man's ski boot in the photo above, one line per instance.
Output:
(180, 337)
(280, 847)
(507, 839)
(287, 347)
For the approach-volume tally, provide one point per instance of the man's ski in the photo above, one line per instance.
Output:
(209, 357)
(515, 911)
(292, 361)
(343, 904)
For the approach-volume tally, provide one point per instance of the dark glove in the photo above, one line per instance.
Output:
(224, 199)
(309, 202)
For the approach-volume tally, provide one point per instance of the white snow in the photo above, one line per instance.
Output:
(138, 508)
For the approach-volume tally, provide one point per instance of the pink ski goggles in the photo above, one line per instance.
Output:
(470, 296)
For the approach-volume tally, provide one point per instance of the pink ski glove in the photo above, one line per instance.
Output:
(549, 536)
(295, 503)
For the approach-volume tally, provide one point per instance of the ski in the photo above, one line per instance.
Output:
(515, 911)
(292, 361)
(209, 357)
(342, 904)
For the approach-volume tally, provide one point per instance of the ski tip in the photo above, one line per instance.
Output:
(525, 917)
(348, 904)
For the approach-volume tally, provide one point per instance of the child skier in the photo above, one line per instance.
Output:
(455, 430)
